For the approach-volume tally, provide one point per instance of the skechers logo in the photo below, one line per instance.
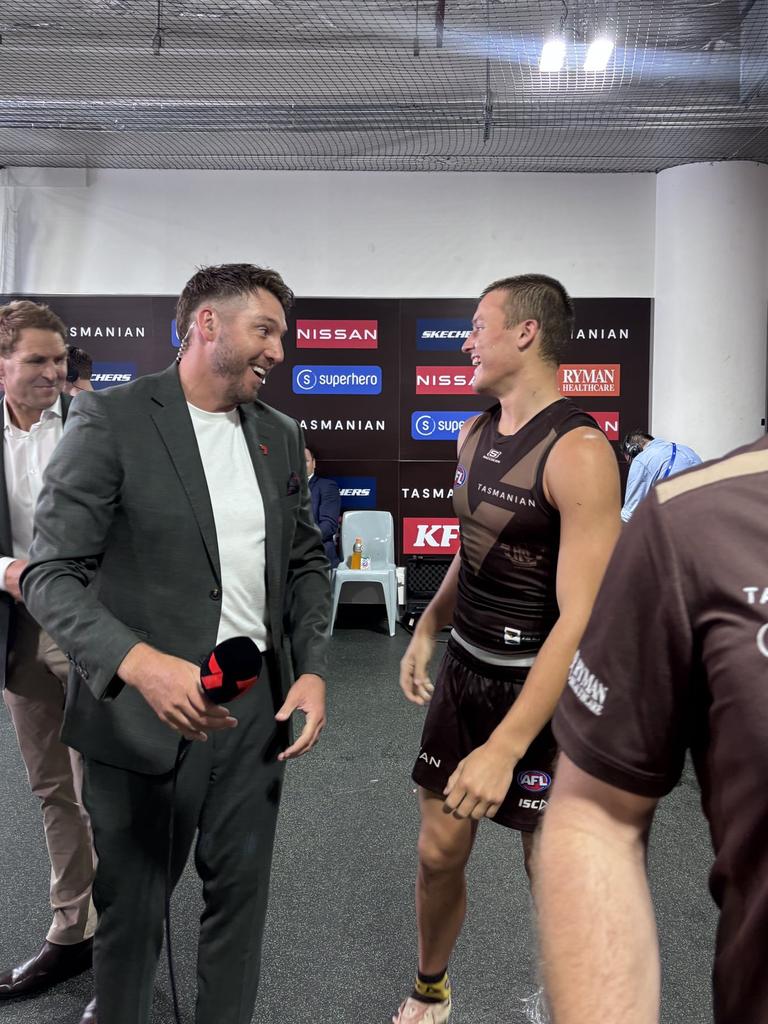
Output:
(444, 334)
(107, 375)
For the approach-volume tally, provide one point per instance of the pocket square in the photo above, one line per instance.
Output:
(293, 484)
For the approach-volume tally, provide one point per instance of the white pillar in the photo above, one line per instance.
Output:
(711, 305)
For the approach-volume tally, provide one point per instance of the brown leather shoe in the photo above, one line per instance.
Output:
(54, 963)
(89, 1016)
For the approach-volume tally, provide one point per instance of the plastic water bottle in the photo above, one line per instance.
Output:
(356, 557)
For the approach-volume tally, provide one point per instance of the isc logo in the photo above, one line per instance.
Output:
(533, 781)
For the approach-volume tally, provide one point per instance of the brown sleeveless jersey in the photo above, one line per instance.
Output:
(510, 533)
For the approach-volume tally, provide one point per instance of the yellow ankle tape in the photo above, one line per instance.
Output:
(434, 990)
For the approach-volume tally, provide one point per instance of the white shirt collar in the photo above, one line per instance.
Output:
(47, 414)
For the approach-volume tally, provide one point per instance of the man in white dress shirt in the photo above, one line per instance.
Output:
(33, 671)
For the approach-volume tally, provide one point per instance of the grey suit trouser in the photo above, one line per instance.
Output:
(228, 791)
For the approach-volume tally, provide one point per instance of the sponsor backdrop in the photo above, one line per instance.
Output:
(381, 387)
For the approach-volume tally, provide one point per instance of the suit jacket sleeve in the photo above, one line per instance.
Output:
(307, 603)
(74, 512)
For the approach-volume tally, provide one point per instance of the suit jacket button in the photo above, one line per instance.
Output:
(215, 594)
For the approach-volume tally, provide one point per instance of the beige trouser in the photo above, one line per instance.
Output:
(35, 686)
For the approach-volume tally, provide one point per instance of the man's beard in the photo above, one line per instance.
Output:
(230, 366)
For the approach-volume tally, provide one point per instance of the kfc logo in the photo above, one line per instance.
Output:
(591, 379)
(608, 423)
(444, 380)
(430, 536)
(337, 334)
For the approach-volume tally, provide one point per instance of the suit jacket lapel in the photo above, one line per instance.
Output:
(265, 451)
(172, 419)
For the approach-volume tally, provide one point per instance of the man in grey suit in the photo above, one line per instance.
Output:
(176, 514)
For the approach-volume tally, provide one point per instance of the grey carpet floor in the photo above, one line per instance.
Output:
(340, 940)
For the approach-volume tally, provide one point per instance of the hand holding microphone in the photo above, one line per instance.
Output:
(176, 691)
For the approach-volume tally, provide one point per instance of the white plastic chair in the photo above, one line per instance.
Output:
(378, 535)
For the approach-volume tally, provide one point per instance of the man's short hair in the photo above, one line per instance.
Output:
(78, 359)
(634, 442)
(541, 298)
(22, 313)
(228, 281)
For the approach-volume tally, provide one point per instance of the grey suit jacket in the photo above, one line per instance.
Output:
(125, 550)
(7, 604)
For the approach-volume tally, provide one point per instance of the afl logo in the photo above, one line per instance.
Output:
(461, 477)
(534, 782)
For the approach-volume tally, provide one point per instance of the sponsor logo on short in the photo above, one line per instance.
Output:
(337, 380)
(356, 491)
(444, 380)
(337, 334)
(107, 375)
(433, 762)
(337, 426)
(608, 423)
(587, 687)
(443, 334)
(512, 635)
(762, 640)
(532, 805)
(430, 536)
(590, 379)
(534, 781)
(756, 595)
(461, 476)
(107, 331)
(438, 426)
(493, 455)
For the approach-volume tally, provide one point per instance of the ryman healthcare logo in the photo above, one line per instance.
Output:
(590, 379)
(107, 375)
(430, 536)
(337, 334)
(438, 426)
(357, 491)
(442, 335)
(444, 380)
(337, 380)
(608, 423)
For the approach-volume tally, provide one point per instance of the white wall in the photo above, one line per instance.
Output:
(337, 234)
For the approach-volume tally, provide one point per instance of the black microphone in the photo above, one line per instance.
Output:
(232, 667)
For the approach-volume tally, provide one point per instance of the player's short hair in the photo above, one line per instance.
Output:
(541, 298)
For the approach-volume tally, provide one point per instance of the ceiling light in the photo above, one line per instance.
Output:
(598, 55)
(552, 56)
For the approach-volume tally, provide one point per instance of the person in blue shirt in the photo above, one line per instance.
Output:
(326, 506)
(651, 459)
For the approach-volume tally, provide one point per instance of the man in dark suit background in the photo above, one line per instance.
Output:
(326, 506)
(176, 514)
(33, 671)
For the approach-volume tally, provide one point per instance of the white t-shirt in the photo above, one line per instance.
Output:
(238, 511)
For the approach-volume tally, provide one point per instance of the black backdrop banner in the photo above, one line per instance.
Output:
(381, 386)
